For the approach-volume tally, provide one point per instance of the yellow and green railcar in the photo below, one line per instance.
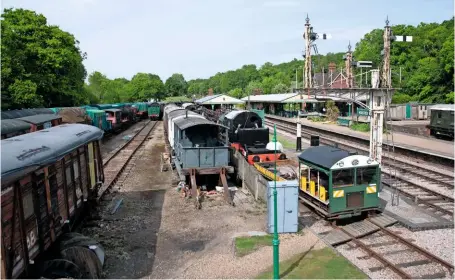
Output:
(339, 184)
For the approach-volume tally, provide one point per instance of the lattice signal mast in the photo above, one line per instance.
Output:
(310, 36)
(348, 65)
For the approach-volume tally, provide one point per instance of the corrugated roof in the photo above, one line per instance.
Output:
(31, 151)
(271, 98)
(323, 156)
(13, 125)
(206, 98)
(39, 119)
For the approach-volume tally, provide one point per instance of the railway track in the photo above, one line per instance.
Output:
(117, 162)
(431, 187)
(396, 253)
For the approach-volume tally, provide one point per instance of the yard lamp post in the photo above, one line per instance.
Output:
(275, 241)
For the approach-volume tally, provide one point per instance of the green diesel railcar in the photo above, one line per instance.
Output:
(339, 184)
(441, 122)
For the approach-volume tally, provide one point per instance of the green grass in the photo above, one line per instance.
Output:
(247, 245)
(363, 127)
(318, 264)
(177, 99)
(316, 119)
(287, 144)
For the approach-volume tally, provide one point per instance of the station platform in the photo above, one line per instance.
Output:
(431, 146)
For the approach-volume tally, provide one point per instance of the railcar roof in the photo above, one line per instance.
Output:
(184, 123)
(323, 156)
(39, 119)
(443, 107)
(112, 110)
(13, 125)
(235, 113)
(27, 152)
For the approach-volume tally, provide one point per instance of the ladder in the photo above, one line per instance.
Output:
(392, 171)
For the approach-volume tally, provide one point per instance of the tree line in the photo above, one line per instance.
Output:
(42, 66)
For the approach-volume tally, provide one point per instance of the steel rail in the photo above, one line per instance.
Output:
(133, 145)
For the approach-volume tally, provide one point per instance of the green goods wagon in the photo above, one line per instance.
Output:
(99, 119)
(154, 111)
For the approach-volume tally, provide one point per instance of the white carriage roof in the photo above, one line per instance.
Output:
(32, 150)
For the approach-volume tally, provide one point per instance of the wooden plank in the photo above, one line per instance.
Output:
(180, 171)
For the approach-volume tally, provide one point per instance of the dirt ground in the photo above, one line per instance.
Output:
(156, 233)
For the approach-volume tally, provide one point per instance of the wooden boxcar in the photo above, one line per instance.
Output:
(39, 122)
(48, 177)
(337, 183)
(442, 119)
(13, 127)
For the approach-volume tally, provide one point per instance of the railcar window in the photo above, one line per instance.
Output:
(366, 175)
(324, 179)
(68, 175)
(439, 114)
(76, 170)
(28, 204)
(343, 178)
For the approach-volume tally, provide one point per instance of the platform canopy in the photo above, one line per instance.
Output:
(218, 99)
(282, 98)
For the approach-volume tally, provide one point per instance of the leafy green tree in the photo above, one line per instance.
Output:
(176, 85)
(252, 86)
(144, 86)
(237, 93)
(280, 88)
(41, 64)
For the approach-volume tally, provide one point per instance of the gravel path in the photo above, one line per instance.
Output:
(158, 234)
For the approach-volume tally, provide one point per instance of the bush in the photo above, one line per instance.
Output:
(363, 127)
(332, 110)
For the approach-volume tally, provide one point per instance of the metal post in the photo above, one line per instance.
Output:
(275, 241)
(298, 146)
(296, 78)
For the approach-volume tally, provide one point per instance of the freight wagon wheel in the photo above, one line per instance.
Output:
(85, 259)
(76, 239)
(60, 268)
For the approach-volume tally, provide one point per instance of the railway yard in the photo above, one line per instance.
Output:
(156, 218)
(148, 229)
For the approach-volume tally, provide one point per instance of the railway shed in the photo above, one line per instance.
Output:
(218, 101)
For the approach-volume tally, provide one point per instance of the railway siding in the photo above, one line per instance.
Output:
(422, 153)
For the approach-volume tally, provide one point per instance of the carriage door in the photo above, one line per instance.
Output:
(29, 218)
(91, 165)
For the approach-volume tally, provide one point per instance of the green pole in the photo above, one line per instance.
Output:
(275, 241)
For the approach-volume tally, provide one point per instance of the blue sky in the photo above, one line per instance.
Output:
(199, 38)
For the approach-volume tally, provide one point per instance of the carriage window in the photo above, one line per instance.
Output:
(76, 170)
(343, 178)
(366, 175)
(28, 204)
(68, 175)
(439, 114)
(323, 180)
